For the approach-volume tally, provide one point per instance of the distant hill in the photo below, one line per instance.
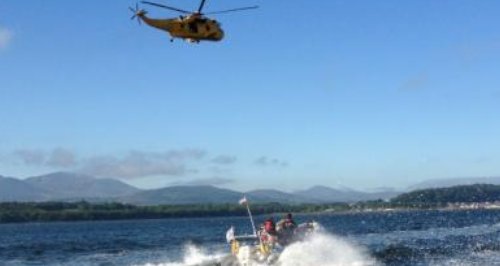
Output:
(62, 185)
(449, 182)
(456, 194)
(328, 194)
(211, 194)
(12, 189)
(273, 195)
(183, 195)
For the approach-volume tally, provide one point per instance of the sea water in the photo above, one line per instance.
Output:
(465, 237)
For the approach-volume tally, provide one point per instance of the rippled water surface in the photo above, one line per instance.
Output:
(390, 238)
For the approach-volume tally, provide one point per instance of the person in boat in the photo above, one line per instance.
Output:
(268, 234)
(286, 229)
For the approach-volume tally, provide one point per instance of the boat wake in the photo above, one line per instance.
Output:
(193, 256)
(326, 250)
(320, 249)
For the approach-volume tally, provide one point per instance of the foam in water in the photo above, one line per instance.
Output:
(193, 255)
(319, 249)
(325, 250)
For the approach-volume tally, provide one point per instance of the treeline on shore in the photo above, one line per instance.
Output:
(12, 212)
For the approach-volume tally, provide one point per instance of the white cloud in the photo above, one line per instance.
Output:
(30, 157)
(5, 37)
(265, 161)
(59, 157)
(132, 166)
(137, 164)
(224, 159)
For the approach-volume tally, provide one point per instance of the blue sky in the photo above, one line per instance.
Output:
(362, 94)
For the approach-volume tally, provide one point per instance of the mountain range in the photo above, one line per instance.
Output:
(63, 186)
(327, 194)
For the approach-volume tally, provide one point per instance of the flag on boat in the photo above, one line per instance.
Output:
(230, 234)
(243, 200)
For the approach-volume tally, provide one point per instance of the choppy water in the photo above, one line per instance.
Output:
(392, 238)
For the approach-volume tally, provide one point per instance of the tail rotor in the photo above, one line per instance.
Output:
(138, 13)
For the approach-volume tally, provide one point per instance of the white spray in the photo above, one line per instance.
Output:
(193, 255)
(323, 249)
(318, 249)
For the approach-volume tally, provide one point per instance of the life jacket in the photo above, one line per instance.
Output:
(268, 238)
(289, 224)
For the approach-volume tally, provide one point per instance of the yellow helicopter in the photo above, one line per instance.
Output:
(191, 26)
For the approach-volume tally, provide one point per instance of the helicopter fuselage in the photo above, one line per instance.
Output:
(193, 28)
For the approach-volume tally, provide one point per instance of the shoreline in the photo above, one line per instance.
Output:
(34, 215)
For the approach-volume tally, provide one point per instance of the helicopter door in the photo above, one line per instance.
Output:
(193, 27)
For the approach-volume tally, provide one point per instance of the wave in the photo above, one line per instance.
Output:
(326, 250)
(320, 249)
(441, 254)
(194, 255)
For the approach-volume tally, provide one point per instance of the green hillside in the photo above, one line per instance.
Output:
(443, 196)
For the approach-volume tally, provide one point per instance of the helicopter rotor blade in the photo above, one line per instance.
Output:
(166, 7)
(136, 12)
(201, 6)
(231, 10)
